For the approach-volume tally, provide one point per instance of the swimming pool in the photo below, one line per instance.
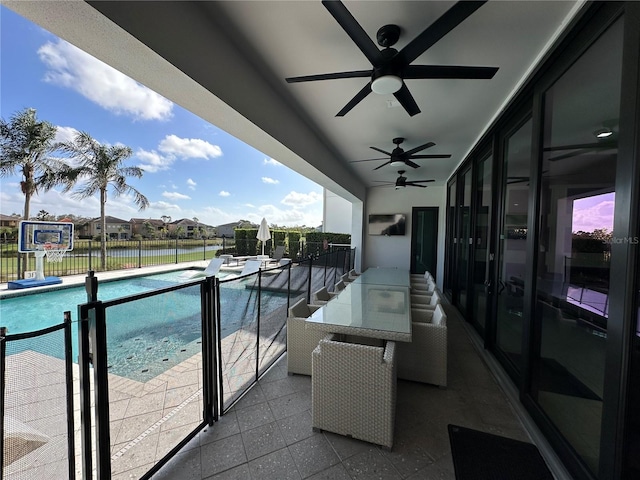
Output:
(149, 335)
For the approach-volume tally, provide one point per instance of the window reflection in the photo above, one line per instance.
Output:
(572, 272)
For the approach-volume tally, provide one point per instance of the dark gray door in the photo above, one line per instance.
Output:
(424, 240)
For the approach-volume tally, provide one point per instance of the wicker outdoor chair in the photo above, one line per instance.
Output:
(353, 389)
(322, 296)
(301, 340)
(425, 358)
(427, 302)
(340, 286)
(421, 288)
(421, 278)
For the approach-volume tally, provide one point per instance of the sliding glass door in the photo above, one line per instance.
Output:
(480, 277)
(577, 196)
(464, 240)
(511, 258)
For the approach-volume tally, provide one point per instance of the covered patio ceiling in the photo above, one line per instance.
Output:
(227, 62)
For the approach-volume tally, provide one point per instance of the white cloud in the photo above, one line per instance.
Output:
(271, 161)
(184, 148)
(175, 196)
(162, 206)
(593, 217)
(70, 67)
(152, 161)
(192, 184)
(65, 134)
(224, 193)
(301, 199)
(173, 147)
(271, 181)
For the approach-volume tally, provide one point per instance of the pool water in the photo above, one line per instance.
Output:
(147, 336)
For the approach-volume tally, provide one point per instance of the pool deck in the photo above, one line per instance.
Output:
(147, 419)
(74, 280)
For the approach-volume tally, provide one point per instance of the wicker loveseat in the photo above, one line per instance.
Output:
(300, 340)
(425, 358)
(353, 389)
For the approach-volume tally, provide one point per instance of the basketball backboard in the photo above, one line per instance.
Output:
(33, 235)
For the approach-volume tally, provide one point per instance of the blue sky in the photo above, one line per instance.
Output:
(192, 168)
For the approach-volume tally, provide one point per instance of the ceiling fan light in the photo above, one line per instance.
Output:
(386, 84)
(603, 132)
(396, 162)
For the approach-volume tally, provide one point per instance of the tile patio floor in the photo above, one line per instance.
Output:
(268, 434)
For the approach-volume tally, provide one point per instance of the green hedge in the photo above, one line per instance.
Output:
(293, 241)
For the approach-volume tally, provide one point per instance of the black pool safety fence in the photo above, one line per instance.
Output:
(151, 370)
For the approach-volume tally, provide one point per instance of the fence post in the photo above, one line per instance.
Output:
(98, 337)
(176, 249)
(91, 287)
(68, 364)
(3, 346)
(84, 360)
(90, 252)
(258, 325)
(204, 249)
(309, 282)
(139, 253)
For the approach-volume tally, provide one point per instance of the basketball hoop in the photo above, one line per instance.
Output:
(54, 253)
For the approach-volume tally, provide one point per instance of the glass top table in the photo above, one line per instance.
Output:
(385, 276)
(371, 310)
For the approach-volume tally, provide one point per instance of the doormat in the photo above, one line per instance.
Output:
(483, 456)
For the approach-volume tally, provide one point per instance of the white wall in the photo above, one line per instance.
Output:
(395, 251)
(336, 214)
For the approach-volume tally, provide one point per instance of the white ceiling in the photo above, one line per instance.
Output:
(241, 52)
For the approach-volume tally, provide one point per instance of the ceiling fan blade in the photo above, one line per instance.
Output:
(354, 30)
(413, 184)
(330, 76)
(438, 29)
(380, 166)
(408, 153)
(411, 164)
(448, 71)
(367, 160)
(595, 145)
(407, 101)
(421, 181)
(361, 95)
(380, 150)
(434, 155)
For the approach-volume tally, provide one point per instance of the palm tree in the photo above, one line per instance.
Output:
(101, 166)
(25, 146)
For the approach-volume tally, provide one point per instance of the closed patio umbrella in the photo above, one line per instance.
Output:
(263, 233)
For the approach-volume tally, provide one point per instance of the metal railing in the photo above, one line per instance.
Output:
(171, 361)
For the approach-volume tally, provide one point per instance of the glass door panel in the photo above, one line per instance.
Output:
(451, 242)
(481, 243)
(464, 238)
(577, 195)
(511, 257)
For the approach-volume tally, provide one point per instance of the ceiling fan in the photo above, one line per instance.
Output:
(399, 156)
(402, 182)
(392, 67)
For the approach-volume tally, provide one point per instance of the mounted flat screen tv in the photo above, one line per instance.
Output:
(387, 224)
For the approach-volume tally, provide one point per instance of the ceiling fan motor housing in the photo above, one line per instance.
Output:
(388, 35)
